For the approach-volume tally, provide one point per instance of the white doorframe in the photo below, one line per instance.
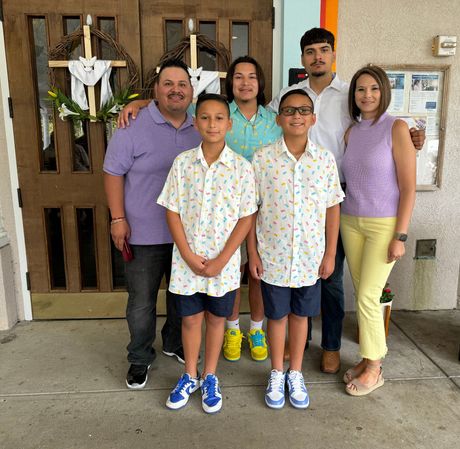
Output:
(23, 299)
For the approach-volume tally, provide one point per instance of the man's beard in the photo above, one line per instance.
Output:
(317, 74)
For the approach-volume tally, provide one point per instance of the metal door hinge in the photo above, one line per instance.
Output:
(10, 107)
(273, 18)
(28, 280)
(19, 197)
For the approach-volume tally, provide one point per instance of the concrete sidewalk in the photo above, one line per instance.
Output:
(62, 385)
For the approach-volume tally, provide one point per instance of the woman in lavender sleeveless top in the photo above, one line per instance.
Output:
(379, 170)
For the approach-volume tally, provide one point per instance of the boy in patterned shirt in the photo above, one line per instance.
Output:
(210, 199)
(293, 240)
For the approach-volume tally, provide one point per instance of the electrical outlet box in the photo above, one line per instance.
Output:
(425, 249)
(444, 45)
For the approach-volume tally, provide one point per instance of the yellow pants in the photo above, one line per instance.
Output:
(366, 241)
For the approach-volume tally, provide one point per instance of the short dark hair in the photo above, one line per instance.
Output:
(385, 91)
(317, 36)
(260, 79)
(214, 97)
(295, 92)
(173, 63)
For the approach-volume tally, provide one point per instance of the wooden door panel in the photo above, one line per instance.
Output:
(58, 193)
(257, 13)
(62, 189)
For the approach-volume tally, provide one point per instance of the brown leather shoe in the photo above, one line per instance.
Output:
(330, 362)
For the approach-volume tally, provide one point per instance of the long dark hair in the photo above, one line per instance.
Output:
(259, 74)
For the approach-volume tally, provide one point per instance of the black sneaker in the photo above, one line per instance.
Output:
(178, 353)
(137, 376)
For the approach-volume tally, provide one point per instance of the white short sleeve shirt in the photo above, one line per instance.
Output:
(210, 200)
(293, 196)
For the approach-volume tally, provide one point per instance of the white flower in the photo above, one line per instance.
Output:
(115, 109)
(64, 111)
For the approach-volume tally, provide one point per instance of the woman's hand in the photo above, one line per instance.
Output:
(396, 250)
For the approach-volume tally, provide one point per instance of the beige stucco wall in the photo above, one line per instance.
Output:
(401, 32)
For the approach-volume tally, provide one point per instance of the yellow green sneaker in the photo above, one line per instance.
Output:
(258, 344)
(232, 344)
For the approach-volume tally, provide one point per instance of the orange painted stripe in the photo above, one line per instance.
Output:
(331, 15)
(329, 18)
(322, 17)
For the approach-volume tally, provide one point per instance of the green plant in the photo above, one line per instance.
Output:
(68, 108)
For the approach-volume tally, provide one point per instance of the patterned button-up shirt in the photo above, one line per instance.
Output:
(293, 196)
(210, 200)
(246, 136)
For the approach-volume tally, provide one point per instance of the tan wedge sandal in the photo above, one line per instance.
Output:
(361, 389)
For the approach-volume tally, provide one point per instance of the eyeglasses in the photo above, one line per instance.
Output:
(291, 110)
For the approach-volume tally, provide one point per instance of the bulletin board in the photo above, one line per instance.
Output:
(419, 96)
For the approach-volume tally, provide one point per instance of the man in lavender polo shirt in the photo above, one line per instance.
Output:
(136, 165)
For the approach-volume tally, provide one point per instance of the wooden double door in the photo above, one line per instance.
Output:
(73, 269)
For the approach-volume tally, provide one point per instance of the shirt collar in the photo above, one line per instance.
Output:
(281, 148)
(227, 156)
(234, 107)
(158, 118)
(335, 83)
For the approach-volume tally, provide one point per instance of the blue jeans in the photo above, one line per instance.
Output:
(333, 304)
(143, 278)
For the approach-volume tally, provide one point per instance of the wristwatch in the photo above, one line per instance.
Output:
(399, 236)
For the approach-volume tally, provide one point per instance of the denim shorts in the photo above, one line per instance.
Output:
(281, 301)
(221, 306)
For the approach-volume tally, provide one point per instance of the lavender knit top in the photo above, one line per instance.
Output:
(369, 170)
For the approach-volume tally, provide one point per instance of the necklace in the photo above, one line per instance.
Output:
(252, 122)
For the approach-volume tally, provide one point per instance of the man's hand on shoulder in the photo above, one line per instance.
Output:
(418, 137)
